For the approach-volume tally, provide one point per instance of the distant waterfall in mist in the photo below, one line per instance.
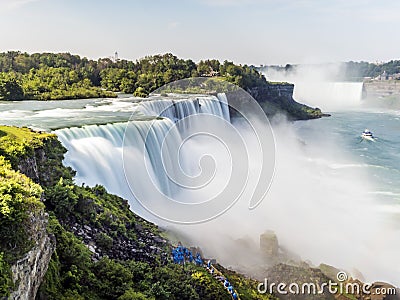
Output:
(329, 95)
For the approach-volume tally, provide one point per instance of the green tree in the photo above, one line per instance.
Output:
(132, 295)
(140, 92)
(19, 197)
(10, 89)
(62, 199)
(6, 283)
(116, 278)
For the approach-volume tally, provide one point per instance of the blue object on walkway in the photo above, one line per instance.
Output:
(226, 283)
(198, 260)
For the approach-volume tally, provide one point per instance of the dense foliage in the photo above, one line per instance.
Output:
(18, 143)
(365, 69)
(19, 200)
(6, 284)
(73, 274)
(48, 76)
(45, 76)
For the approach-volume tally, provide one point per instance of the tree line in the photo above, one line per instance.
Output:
(52, 76)
(366, 69)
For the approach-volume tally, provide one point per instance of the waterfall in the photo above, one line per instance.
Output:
(329, 95)
(173, 110)
(178, 109)
(222, 110)
(96, 151)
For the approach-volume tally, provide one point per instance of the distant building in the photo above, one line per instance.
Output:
(210, 74)
(114, 58)
(383, 76)
(396, 76)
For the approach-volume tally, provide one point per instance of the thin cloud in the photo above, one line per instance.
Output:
(270, 3)
(381, 14)
(230, 2)
(173, 25)
(7, 5)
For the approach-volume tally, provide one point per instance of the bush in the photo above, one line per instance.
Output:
(19, 198)
(62, 198)
(132, 295)
(6, 283)
(140, 92)
(113, 278)
(104, 241)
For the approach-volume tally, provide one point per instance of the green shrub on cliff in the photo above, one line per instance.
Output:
(246, 287)
(19, 198)
(19, 143)
(6, 283)
(93, 207)
(39, 151)
(69, 269)
(62, 199)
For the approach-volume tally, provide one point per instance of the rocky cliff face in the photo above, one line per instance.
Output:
(45, 166)
(145, 246)
(384, 88)
(29, 166)
(385, 93)
(28, 272)
(278, 98)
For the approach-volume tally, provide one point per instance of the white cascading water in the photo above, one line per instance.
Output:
(95, 151)
(329, 95)
(177, 110)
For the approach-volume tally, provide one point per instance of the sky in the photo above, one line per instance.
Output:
(244, 31)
